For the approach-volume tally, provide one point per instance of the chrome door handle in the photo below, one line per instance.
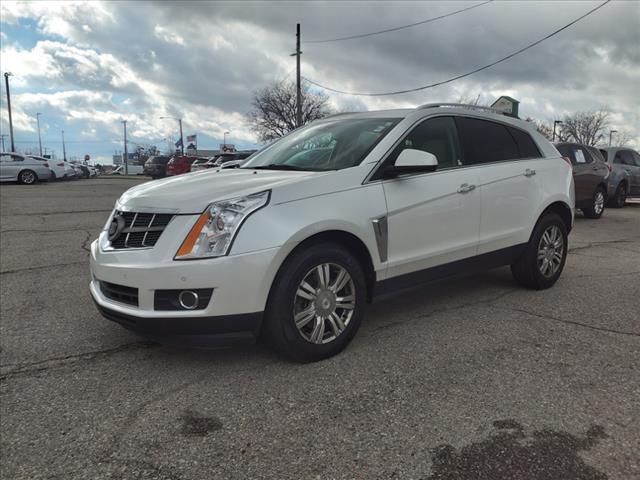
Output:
(529, 173)
(466, 188)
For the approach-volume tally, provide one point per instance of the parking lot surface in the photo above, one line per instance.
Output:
(470, 378)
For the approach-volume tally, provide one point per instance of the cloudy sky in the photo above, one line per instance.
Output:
(87, 66)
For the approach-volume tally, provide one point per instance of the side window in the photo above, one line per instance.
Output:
(604, 155)
(526, 146)
(437, 136)
(623, 157)
(618, 157)
(636, 157)
(587, 155)
(485, 142)
(596, 154)
(627, 157)
(17, 158)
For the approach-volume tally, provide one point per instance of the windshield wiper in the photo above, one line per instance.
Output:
(276, 166)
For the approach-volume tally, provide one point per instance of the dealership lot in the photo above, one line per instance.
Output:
(469, 378)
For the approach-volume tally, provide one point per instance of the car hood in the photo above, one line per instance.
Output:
(192, 192)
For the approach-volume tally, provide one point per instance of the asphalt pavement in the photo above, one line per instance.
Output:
(472, 378)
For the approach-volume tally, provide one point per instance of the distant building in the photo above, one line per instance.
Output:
(202, 153)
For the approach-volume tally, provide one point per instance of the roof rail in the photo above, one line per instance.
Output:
(461, 105)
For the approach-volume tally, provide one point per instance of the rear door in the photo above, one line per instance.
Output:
(507, 159)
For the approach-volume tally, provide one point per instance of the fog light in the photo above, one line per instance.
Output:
(188, 299)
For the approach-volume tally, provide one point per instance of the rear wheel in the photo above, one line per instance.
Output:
(543, 260)
(597, 204)
(316, 303)
(620, 197)
(27, 177)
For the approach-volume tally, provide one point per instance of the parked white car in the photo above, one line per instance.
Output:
(56, 166)
(131, 170)
(15, 167)
(297, 240)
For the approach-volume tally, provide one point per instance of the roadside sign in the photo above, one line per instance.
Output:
(227, 147)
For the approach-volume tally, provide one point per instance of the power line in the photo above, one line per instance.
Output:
(394, 29)
(398, 92)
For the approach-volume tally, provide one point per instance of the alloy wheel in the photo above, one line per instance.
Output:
(550, 251)
(598, 203)
(28, 177)
(324, 303)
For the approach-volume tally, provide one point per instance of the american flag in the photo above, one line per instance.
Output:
(191, 138)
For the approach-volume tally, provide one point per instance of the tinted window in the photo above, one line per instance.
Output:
(437, 136)
(596, 154)
(604, 155)
(485, 142)
(526, 146)
(636, 157)
(623, 157)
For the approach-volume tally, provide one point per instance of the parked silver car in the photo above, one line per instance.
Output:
(20, 168)
(624, 180)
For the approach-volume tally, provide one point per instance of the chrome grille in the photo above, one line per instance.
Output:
(140, 229)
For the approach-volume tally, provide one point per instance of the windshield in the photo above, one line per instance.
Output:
(329, 145)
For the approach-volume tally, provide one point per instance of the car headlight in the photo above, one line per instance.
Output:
(214, 231)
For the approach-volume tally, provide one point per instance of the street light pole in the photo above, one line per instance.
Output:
(6, 81)
(126, 153)
(224, 141)
(64, 150)
(611, 132)
(555, 122)
(39, 138)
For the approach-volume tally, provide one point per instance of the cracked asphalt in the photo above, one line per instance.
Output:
(473, 378)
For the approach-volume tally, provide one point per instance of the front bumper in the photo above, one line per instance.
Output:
(240, 286)
(209, 331)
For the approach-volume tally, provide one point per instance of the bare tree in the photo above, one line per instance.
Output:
(589, 128)
(274, 109)
(620, 138)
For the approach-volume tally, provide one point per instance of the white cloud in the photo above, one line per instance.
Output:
(167, 35)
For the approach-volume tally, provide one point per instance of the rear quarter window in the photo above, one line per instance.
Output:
(527, 148)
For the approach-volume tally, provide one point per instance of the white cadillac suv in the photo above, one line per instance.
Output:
(295, 242)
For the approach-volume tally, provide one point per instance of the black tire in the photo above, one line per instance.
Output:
(27, 177)
(620, 197)
(596, 209)
(526, 270)
(280, 329)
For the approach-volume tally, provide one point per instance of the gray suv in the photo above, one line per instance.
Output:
(624, 180)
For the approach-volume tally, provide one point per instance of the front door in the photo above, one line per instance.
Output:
(433, 218)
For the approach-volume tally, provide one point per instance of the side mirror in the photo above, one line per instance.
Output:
(411, 161)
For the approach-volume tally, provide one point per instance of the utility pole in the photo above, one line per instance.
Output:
(64, 150)
(611, 132)
(6, 81)
(181, 138)
(126, 153)
(39, 138)
(298, 83)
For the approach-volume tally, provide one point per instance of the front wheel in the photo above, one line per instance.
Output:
(620, 197)
(597, 204)
(543, 260)
(316, 303)
(28, 177)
